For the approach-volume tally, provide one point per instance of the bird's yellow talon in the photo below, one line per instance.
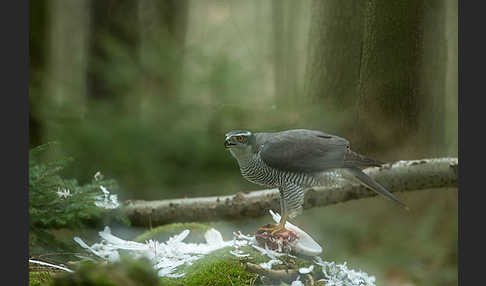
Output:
(273, 229)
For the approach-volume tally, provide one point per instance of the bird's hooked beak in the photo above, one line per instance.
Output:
(228, 143)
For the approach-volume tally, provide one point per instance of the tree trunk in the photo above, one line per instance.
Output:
(335, 43)
(451, 129)
(288, 20)
(110, 20)
(284, 49)
(389, 73)
(150, 35)
(162, 28)
(38, 35)
(434, 79)
(65, 71)
(383, 63)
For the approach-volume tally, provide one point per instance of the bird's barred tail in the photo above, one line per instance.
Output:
(372, 184)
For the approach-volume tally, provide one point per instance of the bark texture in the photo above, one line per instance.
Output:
(401, 176)
(384, 63)
(335, 44)
(390, 90)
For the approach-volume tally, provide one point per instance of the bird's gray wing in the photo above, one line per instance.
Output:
(303, 150)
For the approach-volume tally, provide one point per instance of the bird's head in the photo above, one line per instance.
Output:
(238, 139)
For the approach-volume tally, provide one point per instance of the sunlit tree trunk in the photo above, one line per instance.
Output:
(287, 21)
(284, 51)
(65, 59)
(434, 113)
(335, 44)
(451, 130)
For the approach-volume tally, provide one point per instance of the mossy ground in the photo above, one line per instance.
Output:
(223, 268)
(162, 233)
(40, 278)
(218, 268)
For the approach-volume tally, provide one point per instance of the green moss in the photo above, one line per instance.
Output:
(223, 268)
(218, 268)
(40, 278)
(162, 233)
(222, 273)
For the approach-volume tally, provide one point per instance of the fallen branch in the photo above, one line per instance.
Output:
(401, 176)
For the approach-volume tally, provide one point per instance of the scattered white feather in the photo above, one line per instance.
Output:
(103, 251)
(107, 200)
(120, 243)
(239, 240)
(239, 253)
(267, 252)
(297, 282)
(214, 237)
(167, 257)
(64, 193)
(177, 275)
(104, 190)
(98, 176)
(268, 265)
(84, 245)
(180, 237)
(305, 270)
(340, 275)
(50, 265)
(241, 236)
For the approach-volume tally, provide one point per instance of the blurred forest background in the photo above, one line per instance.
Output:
(144, 92)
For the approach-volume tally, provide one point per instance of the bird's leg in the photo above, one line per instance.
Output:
(284, 215)
(281, 224)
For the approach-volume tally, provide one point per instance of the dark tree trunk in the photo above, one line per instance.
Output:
(390, 90)
(148, 32)
(113, 19)
(37, 67)
(383, 63)
(163, 27)
(335, 43)
(57, 62)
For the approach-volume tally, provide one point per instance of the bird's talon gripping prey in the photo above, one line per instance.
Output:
(275, 228)
(294, 160)
(270, 228)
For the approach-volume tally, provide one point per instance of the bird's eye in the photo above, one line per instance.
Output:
(239, 138)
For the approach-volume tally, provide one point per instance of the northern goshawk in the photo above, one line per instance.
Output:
(294, 160)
